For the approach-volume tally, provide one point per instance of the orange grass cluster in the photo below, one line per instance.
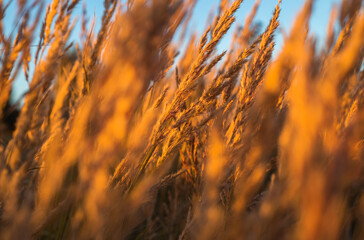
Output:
(133, 136)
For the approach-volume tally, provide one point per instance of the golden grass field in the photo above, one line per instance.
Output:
(132, 136)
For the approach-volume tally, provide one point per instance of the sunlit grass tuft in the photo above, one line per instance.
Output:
(119, 138)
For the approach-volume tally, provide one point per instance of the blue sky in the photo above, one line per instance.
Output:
(290, 8)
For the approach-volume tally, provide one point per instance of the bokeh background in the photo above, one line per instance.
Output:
(290, 8)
